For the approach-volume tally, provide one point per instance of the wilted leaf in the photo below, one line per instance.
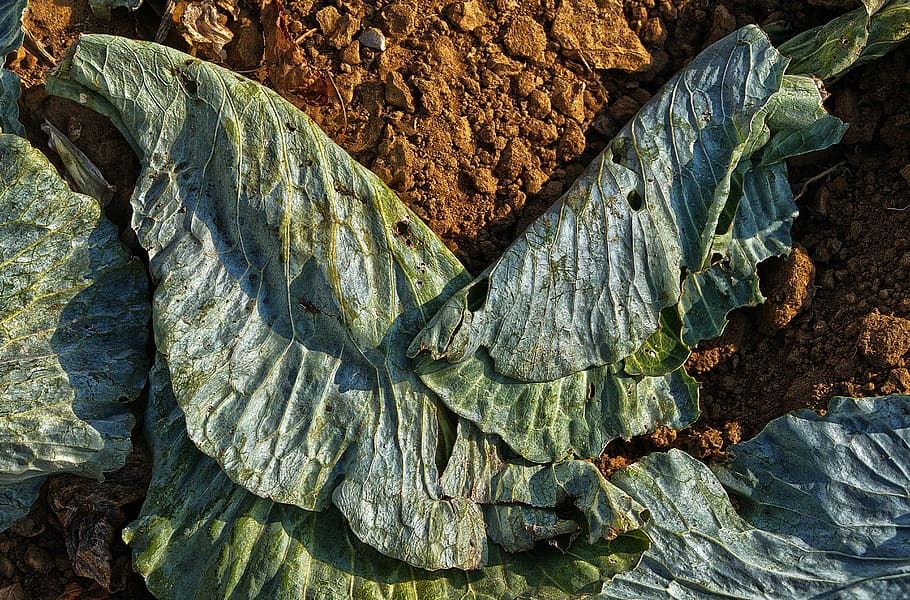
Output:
(825, 501)
(596, 271)
(216, 540)
(575, 415)
(585, 284)
(291, 280)
(74, 314)
(83, 173)
(13, 592)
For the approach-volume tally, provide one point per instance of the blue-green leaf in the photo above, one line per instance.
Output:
(215, 540)
(576, 415)
(73, 328)
(9, 110)
(840, 482)
(585, 284)
(11, 33)
(290, 282)
(715, 191)
(824, 503)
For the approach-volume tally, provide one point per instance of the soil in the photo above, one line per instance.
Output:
(479, 113)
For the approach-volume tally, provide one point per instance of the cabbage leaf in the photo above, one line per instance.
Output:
(214, 540)
(73, 328)
(9, 110)
(290, 281)
(642, 258)
(11, 33)
(823, 511)
(585, 284)
(853, 39)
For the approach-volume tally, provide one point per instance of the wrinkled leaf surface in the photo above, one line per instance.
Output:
(9, 110)
(825, 501)
(73, 328)
(291, 281)
(217, 540)
(838, 482)
(585, 284)
(744, 219)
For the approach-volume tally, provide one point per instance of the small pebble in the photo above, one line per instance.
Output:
(373, 38)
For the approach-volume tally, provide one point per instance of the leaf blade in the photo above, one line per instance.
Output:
(73, 327)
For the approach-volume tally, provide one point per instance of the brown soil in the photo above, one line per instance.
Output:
(480, 113)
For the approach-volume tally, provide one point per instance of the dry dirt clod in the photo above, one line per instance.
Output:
(525, 38)
(37, 560)
(397, 92)
(884, 339)
(572, 143)
(351, 54)
(399, 18)
(596, 31)
(466, 16)
(791, 280)
(722, 23)
(568, 97)
(338, 28)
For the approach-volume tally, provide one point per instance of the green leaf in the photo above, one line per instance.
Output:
(663, 352)
(825, 501)
(853, 39)
(11, 33)
(585, 285)
(73, 328)
(858, 453)
(520, 498)
(214, 539)
(9, 110)
(291, 280)
(576, 415)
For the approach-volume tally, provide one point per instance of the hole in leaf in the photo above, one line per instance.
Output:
(634, 200)
(477, 295)
(446, 432)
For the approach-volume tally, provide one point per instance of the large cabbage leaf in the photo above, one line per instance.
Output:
(202, 536)
(598, 276)
(841, 482)
(73, 328)
(574, 415)
(825, 501)
(291, 281)
(585, 284)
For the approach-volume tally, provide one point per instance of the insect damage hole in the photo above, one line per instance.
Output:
(634, 199)
(402, 230)
(477, 295)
